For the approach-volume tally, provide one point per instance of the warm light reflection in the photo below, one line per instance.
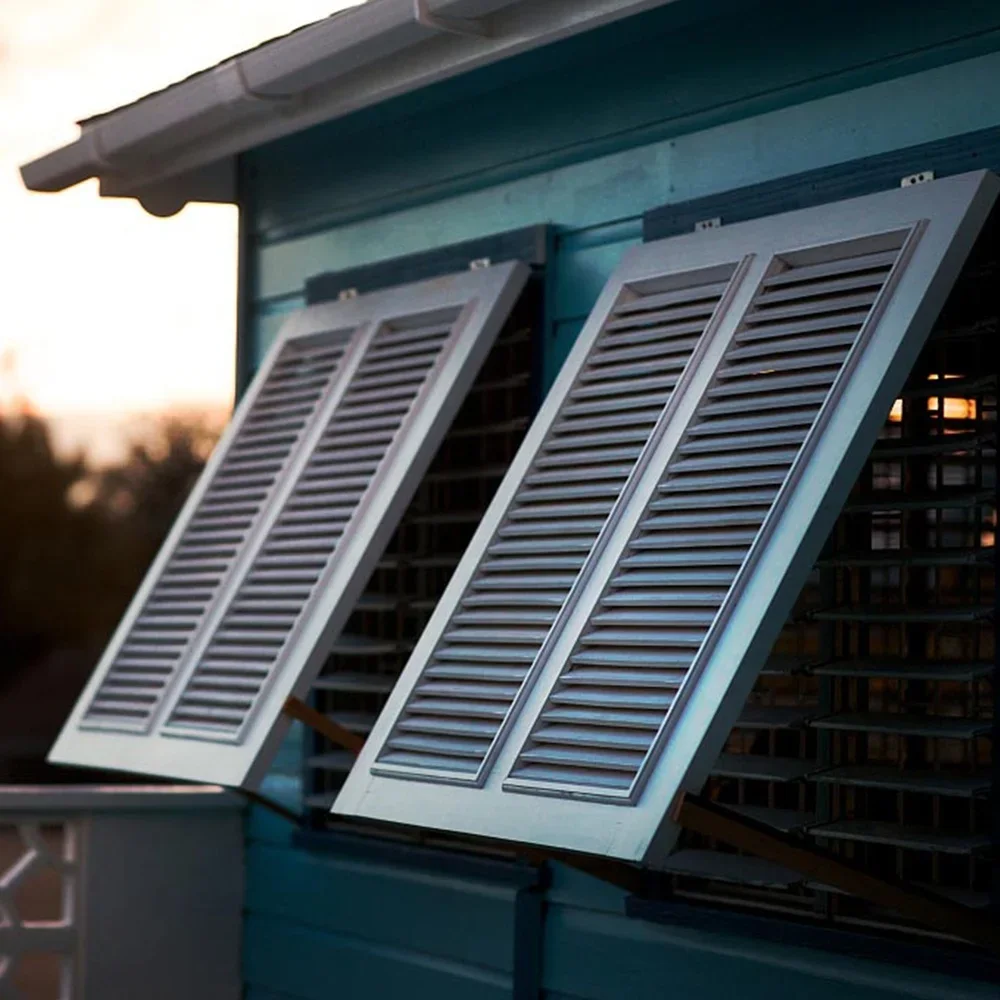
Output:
(955, 408)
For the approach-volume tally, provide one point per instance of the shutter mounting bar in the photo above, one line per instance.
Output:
(920, 178)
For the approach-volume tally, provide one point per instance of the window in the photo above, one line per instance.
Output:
(746, 543)
(728, 389)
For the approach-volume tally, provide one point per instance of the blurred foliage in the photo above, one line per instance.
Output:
(74, 545)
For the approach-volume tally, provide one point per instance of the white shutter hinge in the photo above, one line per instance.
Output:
(347, 293)
(479, 263)
(703, 224)
(453, 25)
(922, 178)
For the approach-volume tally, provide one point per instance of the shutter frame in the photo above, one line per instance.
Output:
(956, 209)
(480, 302)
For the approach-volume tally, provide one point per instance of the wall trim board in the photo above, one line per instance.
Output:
(955, 155)
(439, 861)
(964, 963)
(246, 283)
(529, 882)
(530, 244)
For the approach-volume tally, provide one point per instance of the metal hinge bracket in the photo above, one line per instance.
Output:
(922, 178)
(347, 293)
(479, 263)
(707, 224)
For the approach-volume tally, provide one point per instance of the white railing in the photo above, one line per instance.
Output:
(120, 892)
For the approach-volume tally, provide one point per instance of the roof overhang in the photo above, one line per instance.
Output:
(179, 144)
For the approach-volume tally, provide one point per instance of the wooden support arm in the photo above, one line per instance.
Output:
(695, 813)
(337, 734)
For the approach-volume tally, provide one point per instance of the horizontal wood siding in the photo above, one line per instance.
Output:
(593, 951)
(597, 204)
(587, 136)
(642, 80)
(320, 925)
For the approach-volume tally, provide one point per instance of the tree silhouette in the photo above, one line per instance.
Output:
(74, 545)
(45, 543)
(143, 495)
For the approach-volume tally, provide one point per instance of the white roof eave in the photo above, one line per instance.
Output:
(178, 145)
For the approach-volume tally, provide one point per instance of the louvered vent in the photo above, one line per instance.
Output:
(247, 645)
(233, 501)
(577, 475)
(614, 695)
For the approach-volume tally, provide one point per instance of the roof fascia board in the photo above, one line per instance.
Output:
(365, 56)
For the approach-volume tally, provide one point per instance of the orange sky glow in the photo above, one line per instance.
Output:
(110, 312)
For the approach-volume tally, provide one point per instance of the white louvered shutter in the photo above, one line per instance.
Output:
(566, 703)
(553, 522)
(271, 552)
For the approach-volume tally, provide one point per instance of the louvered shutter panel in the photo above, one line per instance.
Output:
(270, 555)
(552, 523)
(652, 626)
(274, 596)
(227, 505)
(631, 692)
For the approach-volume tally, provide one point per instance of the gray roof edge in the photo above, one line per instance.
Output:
(355, 59)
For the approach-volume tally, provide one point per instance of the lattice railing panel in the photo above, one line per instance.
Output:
(39, 909)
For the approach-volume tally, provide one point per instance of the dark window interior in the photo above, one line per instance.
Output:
(870, 728)
(423, 553)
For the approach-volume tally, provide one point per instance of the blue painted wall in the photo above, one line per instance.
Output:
(587, 135)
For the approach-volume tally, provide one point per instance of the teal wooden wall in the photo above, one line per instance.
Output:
(321, 927)
(588, 135)
(328, 927)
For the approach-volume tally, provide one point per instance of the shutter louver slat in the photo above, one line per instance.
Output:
(305, 535)
(553, 522)
(163, 631)
(661, 612)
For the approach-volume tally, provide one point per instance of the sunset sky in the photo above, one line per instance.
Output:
(108, 311)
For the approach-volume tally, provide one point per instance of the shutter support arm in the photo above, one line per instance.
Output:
(699, 815)
(337, 734)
